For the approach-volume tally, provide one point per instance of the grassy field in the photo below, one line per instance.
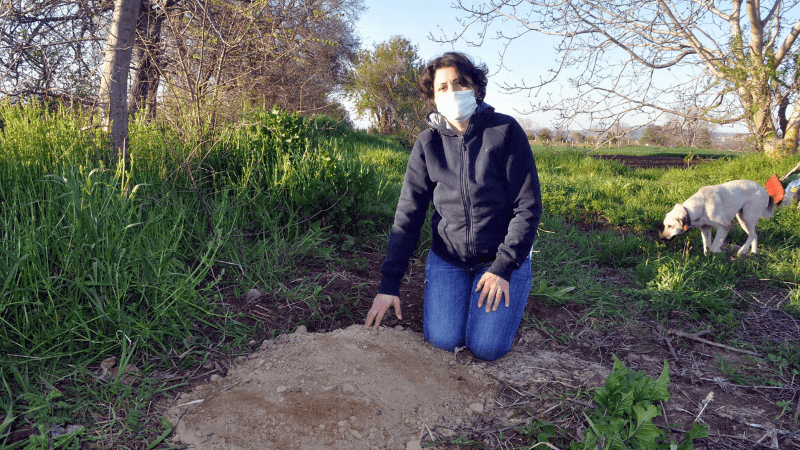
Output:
(135, 262)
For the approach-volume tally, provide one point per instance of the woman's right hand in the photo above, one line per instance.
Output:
(380, 305)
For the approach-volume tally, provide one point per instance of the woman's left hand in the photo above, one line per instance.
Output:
(492, 289)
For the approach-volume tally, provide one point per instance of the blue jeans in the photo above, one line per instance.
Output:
(451, 317)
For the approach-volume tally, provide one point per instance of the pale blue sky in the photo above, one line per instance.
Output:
(417, 19)
(528, 58)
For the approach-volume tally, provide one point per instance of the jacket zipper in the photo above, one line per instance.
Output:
(465, 197)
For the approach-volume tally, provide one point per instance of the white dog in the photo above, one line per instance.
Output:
(716, 206)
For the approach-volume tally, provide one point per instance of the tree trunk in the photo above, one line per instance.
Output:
(783, 122)
(114, 78)
(758, 106)
(792, 133)
(148, 54)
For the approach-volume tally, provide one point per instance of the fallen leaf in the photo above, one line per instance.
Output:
(106, 365)
(127, 379)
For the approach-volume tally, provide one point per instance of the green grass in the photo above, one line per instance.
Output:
(579, 187)
(135, 261)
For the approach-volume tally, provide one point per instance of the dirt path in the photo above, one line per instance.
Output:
(651, 162)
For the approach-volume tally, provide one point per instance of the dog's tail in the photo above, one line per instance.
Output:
(770, 209)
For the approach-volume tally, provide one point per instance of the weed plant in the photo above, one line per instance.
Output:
(626, 407)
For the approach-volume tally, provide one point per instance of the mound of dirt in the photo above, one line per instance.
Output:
(356, 388)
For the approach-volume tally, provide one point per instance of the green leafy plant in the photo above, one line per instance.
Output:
(626, 407)
(785, 406)
(786, 358)
(554, 295)
(538, 430)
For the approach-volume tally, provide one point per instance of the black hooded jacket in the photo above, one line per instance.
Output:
(485, 191)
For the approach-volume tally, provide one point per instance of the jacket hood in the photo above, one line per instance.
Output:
(439, 123)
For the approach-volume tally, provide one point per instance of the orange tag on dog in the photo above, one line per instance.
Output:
(686, 228)
(775, 188)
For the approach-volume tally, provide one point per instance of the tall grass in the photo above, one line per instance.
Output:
(85, 263)
(87, 255)
(97, 259)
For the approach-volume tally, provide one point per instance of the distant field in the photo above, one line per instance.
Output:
(643, 150)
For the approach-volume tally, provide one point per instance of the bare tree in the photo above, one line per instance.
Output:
(52, 49)
(738, 58)
(560, 135)
(219, 56)
(290, 53)
(578, 137)
(113, 95)
(687, 131)
(149, 59)
(528, 124)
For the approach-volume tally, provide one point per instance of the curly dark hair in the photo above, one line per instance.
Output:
(470, 74)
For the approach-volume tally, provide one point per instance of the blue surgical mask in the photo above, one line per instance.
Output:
(457, 106)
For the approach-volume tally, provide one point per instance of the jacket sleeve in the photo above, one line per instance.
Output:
(526, 198)
(408, 220)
